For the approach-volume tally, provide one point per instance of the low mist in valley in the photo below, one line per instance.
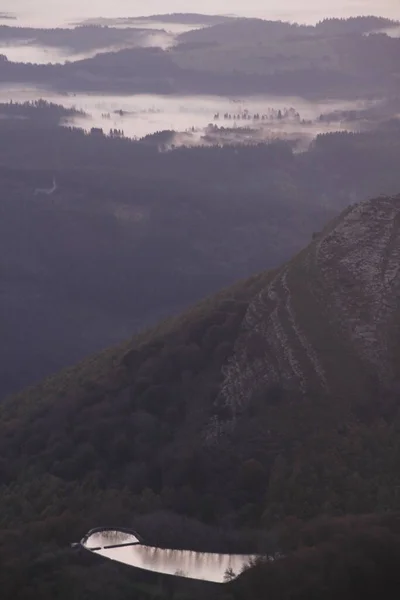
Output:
(141, 115)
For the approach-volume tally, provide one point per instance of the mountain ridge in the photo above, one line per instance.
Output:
(211, 416)
(270, 316)
(350, 274)
(368, 235)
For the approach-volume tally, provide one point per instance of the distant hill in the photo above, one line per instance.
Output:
(125, 240)
(132, 234)
(245, 31)
(168, 18)
(354, 25)
(234, 58)
(77, 40)
(185, 18)
(278, 397)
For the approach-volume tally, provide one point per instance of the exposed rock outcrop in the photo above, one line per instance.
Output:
(344, 288)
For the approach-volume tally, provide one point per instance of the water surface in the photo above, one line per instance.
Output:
(127, 549)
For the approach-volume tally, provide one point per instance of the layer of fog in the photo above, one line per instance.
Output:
(43, 14)
(203, 566)
(301, 135)
(28, 51)
(393, 32)
(141, 115)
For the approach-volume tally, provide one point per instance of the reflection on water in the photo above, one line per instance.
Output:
(125, 548)
(99, 539)
(140, 115)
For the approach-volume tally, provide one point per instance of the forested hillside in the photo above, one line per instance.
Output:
(199, 303)
(274, 402)
(236, 57)
(132, 235)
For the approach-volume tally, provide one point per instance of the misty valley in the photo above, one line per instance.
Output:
(191, 120)
(200, 301)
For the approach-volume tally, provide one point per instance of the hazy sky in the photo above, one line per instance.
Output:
(51, 12)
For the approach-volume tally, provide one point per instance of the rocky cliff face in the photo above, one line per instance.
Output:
(327, 320)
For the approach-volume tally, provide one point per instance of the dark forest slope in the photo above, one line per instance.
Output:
(133, 234)
(279, 397)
